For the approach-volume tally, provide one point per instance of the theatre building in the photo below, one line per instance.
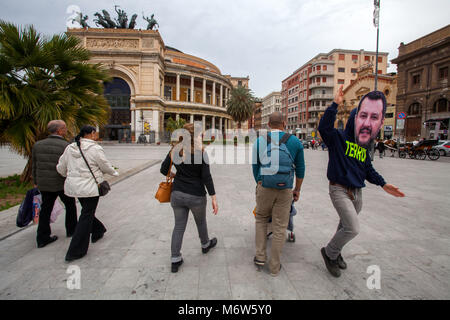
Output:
(152, 82)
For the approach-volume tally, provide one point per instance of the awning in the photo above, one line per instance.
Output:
(437, 119)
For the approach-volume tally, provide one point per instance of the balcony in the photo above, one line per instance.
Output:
(313, 120)
(328, 84)
(321, 97)
(322, 73)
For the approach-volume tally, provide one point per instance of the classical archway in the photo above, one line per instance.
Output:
(118, 93)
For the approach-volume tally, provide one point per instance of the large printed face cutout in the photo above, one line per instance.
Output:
(369, 119)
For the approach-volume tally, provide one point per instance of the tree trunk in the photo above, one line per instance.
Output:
(26, 175)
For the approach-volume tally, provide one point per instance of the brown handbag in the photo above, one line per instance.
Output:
(165, 187)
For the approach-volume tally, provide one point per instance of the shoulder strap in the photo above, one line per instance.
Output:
(79, 147)
(285, 138)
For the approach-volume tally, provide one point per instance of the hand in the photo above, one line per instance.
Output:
(296, 195)
(172, 175)
(339, 97)
(393, 190)
(214, 204)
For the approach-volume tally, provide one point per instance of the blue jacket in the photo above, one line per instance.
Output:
(348, 164)
(295, 147)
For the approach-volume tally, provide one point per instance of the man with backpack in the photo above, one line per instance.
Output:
(277, 159)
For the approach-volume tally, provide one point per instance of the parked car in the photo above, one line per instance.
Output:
(443, 147)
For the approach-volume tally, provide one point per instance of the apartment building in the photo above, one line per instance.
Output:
(309, 90)
(270, 104)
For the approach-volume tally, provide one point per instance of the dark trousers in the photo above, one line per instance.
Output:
(48, 201)
(87, 224)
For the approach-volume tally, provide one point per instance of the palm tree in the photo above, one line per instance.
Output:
(173, 125)
(241, 104)
(45, 79)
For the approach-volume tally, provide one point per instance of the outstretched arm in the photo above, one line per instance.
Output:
(393, 190)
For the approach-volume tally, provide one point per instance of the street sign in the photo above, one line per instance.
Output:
(401, 115)
(400, 124)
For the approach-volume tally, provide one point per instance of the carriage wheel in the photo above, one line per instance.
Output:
(412, 155)
(402, 154)
(434, 155)
(421, 155)
(442, 153)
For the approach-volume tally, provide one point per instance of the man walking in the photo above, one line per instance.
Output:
(45, 157)
(348, 166)
(276, 159)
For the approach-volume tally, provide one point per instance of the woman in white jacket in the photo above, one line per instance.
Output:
(81, 184)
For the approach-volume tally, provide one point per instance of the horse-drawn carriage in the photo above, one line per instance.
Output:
(419, 151)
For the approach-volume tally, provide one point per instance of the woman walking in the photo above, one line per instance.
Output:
(79, 162)
(189, 193)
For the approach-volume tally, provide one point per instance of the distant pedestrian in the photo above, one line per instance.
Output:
(381, 148)
(45, 156)
(80, 183)
(348, 168)
(188, 193)
(274, 193)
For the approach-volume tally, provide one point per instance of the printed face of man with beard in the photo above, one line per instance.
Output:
(368, 121)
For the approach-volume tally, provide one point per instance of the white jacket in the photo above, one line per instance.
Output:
(79, 182)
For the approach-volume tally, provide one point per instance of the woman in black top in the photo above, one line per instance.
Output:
(188, 192)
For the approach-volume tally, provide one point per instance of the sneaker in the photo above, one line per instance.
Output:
(212, 244)
(291, 236)
(276, 274)
(176, 265)
(258, 263)
(341, 263)
(332, 265)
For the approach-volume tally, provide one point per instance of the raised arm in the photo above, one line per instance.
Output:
(326, 124)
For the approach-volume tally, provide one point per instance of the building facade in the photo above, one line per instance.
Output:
(310, 89)
(423, 86)
(363, 84)
(270, 104)
(153, 82)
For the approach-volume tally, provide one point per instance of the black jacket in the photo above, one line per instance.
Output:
(348, 164)
(45, 157)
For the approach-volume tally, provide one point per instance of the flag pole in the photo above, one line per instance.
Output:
(377, 4)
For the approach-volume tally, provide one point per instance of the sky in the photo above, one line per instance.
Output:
(266, 40)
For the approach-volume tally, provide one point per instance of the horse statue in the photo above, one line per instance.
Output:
(122, 20)
(108, 19)
(81, 20)
(133, 21)
(100, 20)
(151, 22)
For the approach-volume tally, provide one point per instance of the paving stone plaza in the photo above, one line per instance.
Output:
(405, 240)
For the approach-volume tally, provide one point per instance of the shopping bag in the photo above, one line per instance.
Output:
(37, 201)
(25, 214)
(57, 210)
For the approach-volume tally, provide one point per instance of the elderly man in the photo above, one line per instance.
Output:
(45, 157)
(349, 165)
(275, 191)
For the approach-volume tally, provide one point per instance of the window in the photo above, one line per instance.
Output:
(341, 81)
(389, 115)
(414, 109)
(324, 79)
(168, 92)
(341, 56)
(354, 70)
(318, 68)
(380, 59)
(367, 58)
(443, 73)
(441, 105)
(380, 71)
(354, 57)
(239, 83)
(416, 79)
(318, 79)
(324, 68)
(341, 69)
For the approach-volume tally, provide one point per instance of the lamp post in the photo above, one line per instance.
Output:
(376, 23)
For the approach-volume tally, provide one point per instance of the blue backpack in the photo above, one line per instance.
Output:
(277, 165)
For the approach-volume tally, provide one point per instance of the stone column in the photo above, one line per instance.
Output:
(177, 117)
(204, 122)
(192, 90)
(221, 96)
(204, 90)
(155, 124)
(178, 87)
(213, 122)
(192, 118)
(220, 124)
(213, 94)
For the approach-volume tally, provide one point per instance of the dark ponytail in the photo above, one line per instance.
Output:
(84, 131)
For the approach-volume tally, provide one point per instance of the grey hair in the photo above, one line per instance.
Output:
(54, 125)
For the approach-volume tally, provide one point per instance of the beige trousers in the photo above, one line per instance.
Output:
(275, 203)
